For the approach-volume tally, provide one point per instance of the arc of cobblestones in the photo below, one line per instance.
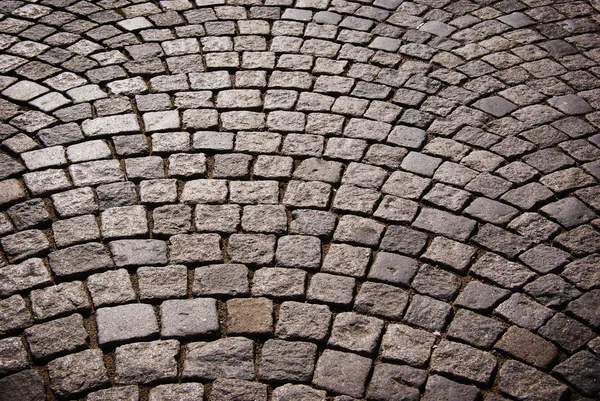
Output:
(299, 200)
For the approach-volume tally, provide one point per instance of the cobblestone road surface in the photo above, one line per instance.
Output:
(299, 200)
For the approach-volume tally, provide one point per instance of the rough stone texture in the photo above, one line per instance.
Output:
(405, 344)
(298, 173)
(76, 373)
(287, 361)
(342, 372)
(26, 385)
(146, 362)
(526, 383)
(229, 357)
(189, 318)
(125, 323)
(250, 316)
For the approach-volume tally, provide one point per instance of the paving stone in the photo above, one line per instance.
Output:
(270, 219)
(58, 337)
(439, 388)
(251, 248)
(250, 316)
(342, 372)
(254, 192)
(25, 385)
(568, 333)
(25, 244)
(447, 197)
(523, 382)
(580, 241)
(356, 333)
(26, 275)
(189, 318)
(440, 222)
(279, 283)
(162, 282)
(225, 358)
(59, 299)
(174, 392)
(312, 222)
(221, 280)
(404, 240)
(125, 322)
(15, 315)
(14, 356)
(583, 273)
(110, 288)
(449, 253)
(313, 194)
(501, 241)
(331, 289)
(437, 283)
(381, 300)
(358, 230)
(551, 290)
(299, 251)
(395, 382)
(519, 310)
(225, 389)
(428, 313)
(187, 165)
(463, 362)
(303, 321)
(496, 106)
(126, 221)
(79, 259)
(287, 361)
(298, 392)
(12, 191)
(534, 226)
(127, 393)
(481, 297)
(76, 373)
(528, 347)
(28, 214)
(569, 212)
(586, 307)
(221, 218)
(406, 344)
(355, 199)
(570, 104)
(392, 268)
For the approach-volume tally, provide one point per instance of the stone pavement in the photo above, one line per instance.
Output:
(299, 200)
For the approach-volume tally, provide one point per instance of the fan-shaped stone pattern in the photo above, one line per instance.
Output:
(299, 199)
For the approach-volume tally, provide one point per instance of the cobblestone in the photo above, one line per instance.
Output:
(379, 181)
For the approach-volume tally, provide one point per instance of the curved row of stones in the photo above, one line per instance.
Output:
(299, 200)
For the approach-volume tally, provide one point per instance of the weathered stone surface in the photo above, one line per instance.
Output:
(475, 329)
(225, 358)
(125, 323)
(177, 392)
(289, 361)
(26, 385)
(29, 274)
(342, 372)
(405, 344)
(227, 389)
(303, 321)
(57, 337)
(76, 373)
(522, 311)
(189, 318)
(439, 388)
(146, 362)
(463, 362)
(221, 280)
(357, 333)
(250, 316)
(526, 383)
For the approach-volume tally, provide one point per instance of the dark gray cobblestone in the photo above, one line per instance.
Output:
(309, 200)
